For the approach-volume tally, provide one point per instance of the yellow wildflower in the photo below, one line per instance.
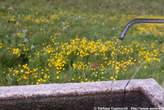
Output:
(16, 51)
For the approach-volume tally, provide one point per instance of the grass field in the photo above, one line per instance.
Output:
(45, 41)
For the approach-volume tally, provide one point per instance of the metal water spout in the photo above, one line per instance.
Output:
(122, 36)
(138, 21)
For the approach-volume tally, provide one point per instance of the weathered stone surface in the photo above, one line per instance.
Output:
(82, 96)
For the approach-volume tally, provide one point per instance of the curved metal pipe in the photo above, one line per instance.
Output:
(138, 21)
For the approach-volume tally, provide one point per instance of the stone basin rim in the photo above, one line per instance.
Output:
(149, 87)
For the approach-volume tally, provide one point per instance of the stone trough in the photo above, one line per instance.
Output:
(83, 96)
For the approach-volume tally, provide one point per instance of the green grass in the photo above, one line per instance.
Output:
(94, 19)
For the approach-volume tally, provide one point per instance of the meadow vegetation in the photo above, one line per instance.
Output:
(47, 41)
